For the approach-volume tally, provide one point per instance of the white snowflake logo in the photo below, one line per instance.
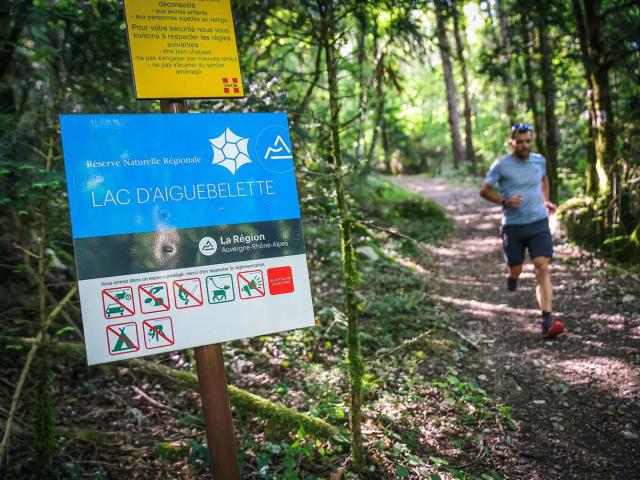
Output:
(230, 151)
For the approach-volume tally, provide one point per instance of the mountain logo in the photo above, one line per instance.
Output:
(280, 148)
(207, 246)
(230, 151)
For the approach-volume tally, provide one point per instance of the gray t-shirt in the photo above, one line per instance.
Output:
(524, 177)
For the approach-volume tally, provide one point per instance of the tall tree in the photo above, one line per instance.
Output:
(468, 131)
(381, 124)
(528, 43)
(600, 112)
(13, 17)
(445, 55)
(507, 51)
(550, 123)
(363, 26)
(349, 272)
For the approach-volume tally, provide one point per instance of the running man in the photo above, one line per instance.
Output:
(524, 196)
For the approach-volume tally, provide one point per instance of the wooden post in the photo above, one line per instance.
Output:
(173, 106)
(217, 413)
(214, 392)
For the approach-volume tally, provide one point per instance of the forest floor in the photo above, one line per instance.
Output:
(576, 399)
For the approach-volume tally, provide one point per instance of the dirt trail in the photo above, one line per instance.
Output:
(576, 399)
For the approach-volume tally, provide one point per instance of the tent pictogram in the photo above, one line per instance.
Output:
(188, 293)
(154, 297)
(251, 284)
(122, 338)
(118, 302)
(220, 288)
(158, 332)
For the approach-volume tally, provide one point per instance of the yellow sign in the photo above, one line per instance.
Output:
(183, 49)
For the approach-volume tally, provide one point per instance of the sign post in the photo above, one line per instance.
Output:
(187, 233)
(218, 422)
(214, 392)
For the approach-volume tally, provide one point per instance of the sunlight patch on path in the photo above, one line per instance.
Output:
(471, 248)
(477, 307)
(617, 377)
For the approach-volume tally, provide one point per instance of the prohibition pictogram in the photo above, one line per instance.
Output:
(154, 297)
(250, 284)
(122, 338)
(188, 293)
(118, 302)
(158, 332)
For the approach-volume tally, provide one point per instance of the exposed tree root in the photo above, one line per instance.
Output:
(280, 420)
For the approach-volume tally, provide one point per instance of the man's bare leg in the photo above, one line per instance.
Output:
(544, 290)
(544, 293)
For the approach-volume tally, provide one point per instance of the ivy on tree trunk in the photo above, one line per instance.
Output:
(350, 275)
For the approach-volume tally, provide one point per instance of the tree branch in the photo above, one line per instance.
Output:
(27, 365)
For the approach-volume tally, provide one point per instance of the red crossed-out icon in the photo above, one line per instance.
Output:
(154, 297)
(251, 284)
(158, 332)
(118, 302)
(122, 338)
(188, 293)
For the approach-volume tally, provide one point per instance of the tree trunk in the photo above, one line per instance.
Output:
(445, 54)
(280, 420)
(361, 15)
(468, 133)
(591, 171)
(507, 51)
(528, 41)
(380, 128)
(350, 275)
(603, 119)
(11, 25)
(381, 125)
(550, 123)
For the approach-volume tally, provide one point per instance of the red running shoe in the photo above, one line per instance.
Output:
(552, 328)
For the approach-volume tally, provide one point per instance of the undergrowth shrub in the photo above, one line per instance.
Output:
(583, 219)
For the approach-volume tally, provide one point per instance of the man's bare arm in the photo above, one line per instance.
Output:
(551, 207)
(545, 188)
(488, 193)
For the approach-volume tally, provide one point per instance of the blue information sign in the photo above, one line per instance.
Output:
(186, 230)
(141, 173)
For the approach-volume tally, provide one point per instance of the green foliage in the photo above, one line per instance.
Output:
(171, 451)
(293, 456)
(474, 404)
(412, 214)
(44, 413)
(585, 221)
(199, 455)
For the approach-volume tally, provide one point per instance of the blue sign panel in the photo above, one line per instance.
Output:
(147, 173)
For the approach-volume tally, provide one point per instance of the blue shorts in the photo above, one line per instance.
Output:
(535, 237)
